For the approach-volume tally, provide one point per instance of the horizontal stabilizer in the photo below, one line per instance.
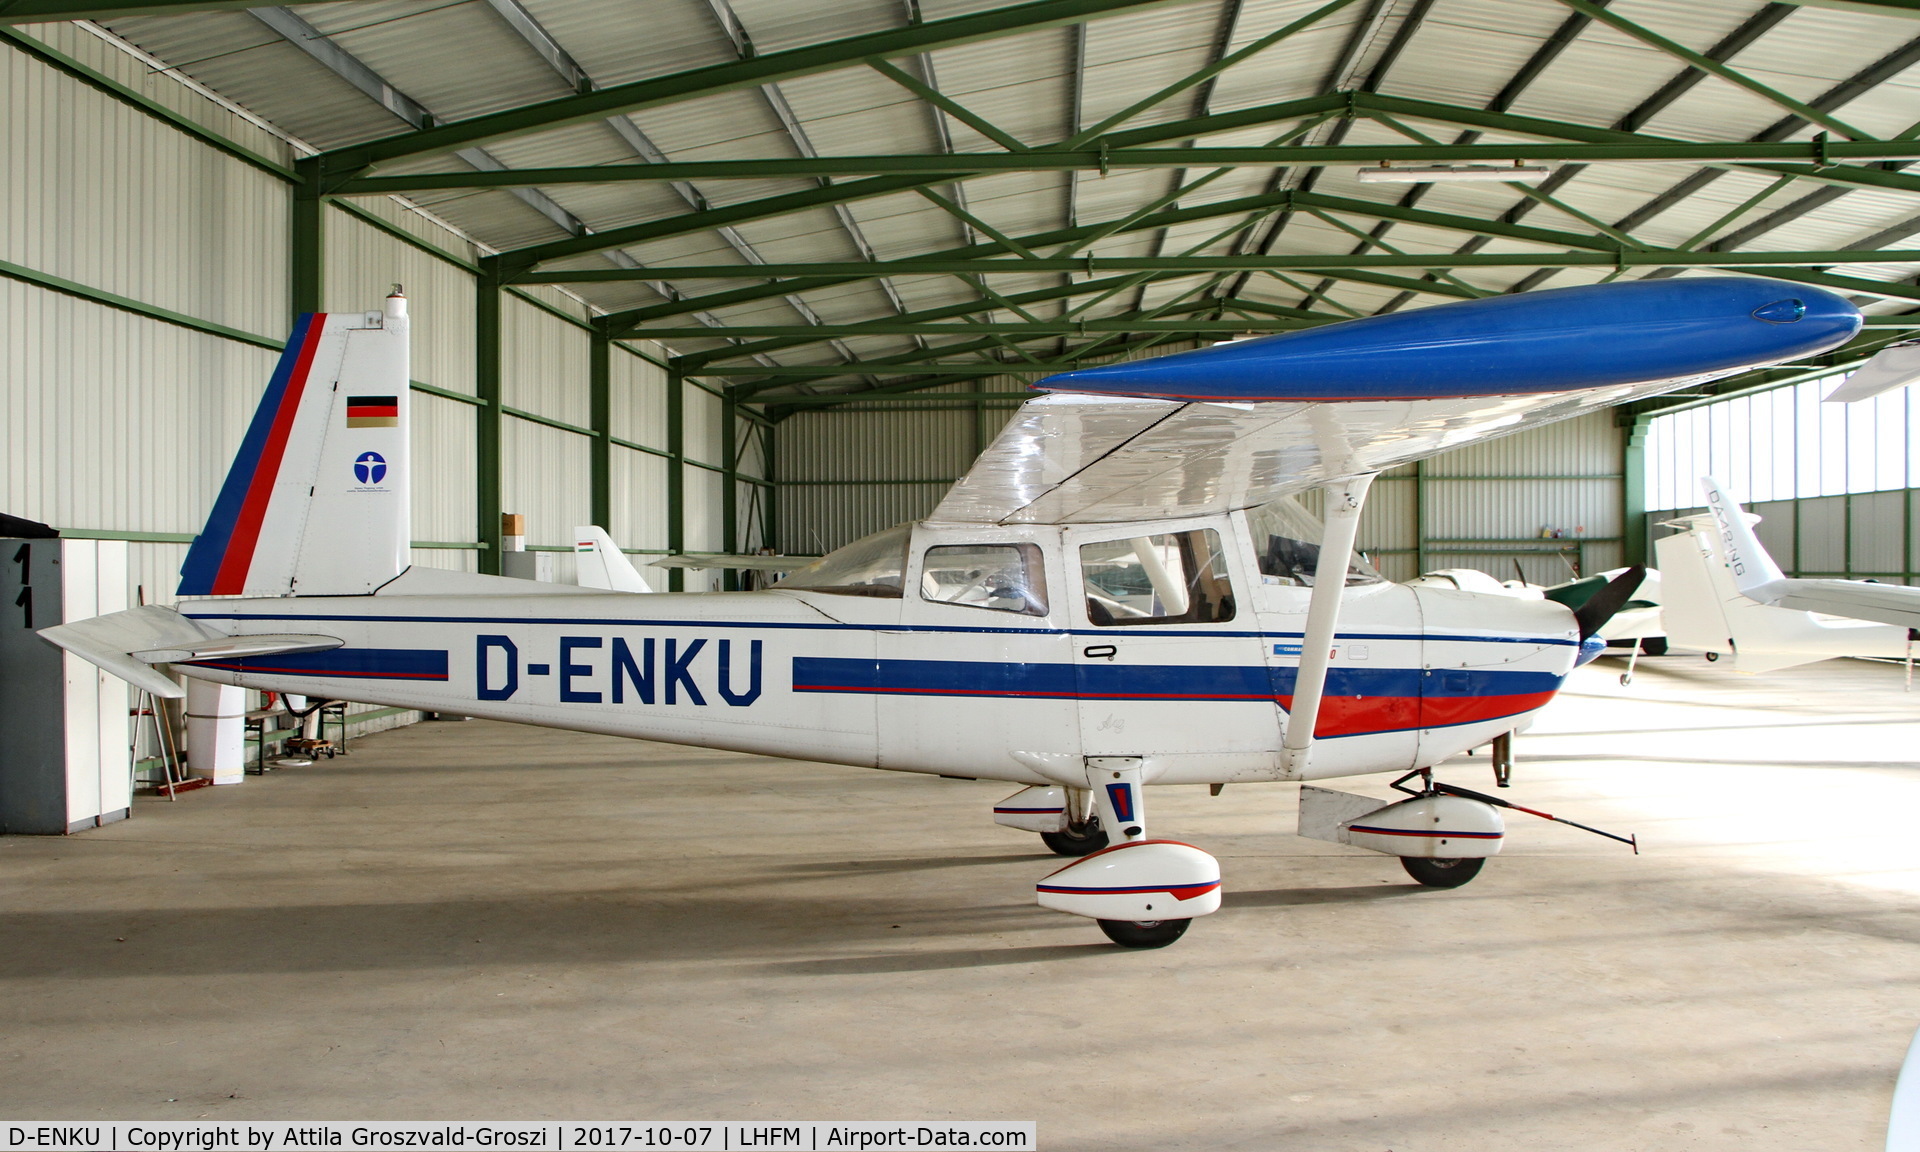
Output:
(229, 647)
(110, 641)
(129, 644)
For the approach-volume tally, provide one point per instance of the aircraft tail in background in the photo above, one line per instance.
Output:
(600, 563)
(317, 500)
(1760, 579)
(1754, 572)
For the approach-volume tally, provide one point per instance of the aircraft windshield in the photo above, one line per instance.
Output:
(870, 566)
(1285, 537)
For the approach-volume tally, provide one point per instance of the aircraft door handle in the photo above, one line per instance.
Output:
(1100, 651)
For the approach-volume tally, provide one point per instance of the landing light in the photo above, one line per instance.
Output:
(1386, 173)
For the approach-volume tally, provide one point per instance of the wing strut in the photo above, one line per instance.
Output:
(1345, 498)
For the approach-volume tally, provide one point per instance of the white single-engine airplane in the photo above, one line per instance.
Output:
(1120, 592)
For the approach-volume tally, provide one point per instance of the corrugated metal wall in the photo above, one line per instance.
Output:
(116, 423)
(101, 194)
(113, 422)
(1492, 505)
(843, 473)
(639, 465)
(121, 421)
(853, 470)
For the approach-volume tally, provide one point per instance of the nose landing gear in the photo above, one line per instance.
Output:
(1443, 872)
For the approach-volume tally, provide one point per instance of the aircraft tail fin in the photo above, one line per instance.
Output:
(1754, 572)
(601, 564)
(316, 501)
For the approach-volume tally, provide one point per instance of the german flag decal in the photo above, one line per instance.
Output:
(373, 411)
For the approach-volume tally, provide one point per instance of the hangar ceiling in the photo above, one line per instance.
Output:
(815, 202)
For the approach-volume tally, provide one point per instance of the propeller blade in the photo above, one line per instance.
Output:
(1600, 607)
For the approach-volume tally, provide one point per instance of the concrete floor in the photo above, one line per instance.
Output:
(481, 921)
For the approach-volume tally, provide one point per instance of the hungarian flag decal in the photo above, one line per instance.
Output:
(373, 411)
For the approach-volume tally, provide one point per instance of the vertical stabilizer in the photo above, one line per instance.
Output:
(601, 564)
(316, 502)
(1753, 569)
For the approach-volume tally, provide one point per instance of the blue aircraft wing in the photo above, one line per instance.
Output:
(1238, 425)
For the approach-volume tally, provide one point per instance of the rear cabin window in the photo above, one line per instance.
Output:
(873, 565)
(1006, 577)
(1175, 578)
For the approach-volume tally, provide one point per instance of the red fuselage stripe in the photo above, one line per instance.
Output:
(319, 674)
(1433, 835)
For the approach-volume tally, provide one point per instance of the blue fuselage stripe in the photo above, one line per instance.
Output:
(344, 663)
(1145, 681)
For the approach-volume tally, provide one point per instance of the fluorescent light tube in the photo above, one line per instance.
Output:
(1438, 173)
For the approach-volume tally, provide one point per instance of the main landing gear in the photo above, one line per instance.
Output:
(1143, 893)
(1145, 933)
(1067, 819)
(1081, 839)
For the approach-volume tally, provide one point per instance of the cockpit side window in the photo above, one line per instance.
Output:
(1006, 577)
(873, 565)
(1173, 578)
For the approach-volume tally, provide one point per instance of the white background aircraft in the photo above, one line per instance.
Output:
(1120, 592)
(1703, 608)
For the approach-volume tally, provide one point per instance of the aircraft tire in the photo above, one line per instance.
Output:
(1653, 645)
(1085, 841)
(1443, 873)
(1148, 934)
